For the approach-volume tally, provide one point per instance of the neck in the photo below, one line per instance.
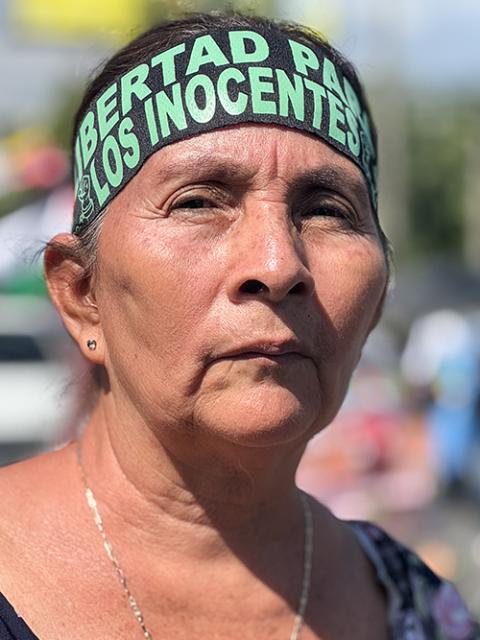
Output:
(216, 499)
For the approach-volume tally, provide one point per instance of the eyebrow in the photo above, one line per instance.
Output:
(203, 167)
(329, 177)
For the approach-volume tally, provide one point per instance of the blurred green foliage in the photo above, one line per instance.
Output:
(439, 135)
(15, 199)
(169, 9)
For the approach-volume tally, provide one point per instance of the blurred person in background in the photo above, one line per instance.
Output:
(441, 357)
(225, 267)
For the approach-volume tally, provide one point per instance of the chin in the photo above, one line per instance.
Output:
(263, 415)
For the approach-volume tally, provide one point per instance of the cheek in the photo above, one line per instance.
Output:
(153, 298)
(350, 280)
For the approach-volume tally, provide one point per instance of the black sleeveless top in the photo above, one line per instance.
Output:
(12, 627)
(422, 606)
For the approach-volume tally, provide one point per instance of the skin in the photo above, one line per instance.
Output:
(242, 239)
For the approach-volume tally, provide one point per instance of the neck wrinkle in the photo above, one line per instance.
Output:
(155, 503)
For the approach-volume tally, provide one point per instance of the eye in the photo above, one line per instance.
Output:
(194, 203)
(326, 210)
(329, 210)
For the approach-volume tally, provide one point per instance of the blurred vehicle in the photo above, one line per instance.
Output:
(34, 376)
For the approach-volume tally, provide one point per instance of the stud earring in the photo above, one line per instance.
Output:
(92, 344)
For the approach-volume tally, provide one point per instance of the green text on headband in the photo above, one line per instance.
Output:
(209, 81)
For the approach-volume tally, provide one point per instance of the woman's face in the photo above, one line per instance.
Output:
(240, 272)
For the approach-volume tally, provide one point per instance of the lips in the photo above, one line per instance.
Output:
(271, 349)
(282, 357)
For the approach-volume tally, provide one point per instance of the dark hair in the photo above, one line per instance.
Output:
(168, 34)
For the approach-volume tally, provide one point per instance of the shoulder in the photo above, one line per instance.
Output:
(38, 473)
(422, 601)
(44, 548)
(35, 503)
(27, 486)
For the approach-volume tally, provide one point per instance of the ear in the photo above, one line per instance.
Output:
(72, 292)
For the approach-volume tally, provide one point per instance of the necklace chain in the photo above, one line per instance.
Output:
(307, 560)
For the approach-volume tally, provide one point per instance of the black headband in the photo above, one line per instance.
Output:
(209, 81)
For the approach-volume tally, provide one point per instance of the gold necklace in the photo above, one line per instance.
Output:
(307, 560)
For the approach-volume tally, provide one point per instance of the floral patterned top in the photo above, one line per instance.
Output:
(422, 606)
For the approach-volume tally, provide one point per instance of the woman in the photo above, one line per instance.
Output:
(225, 267)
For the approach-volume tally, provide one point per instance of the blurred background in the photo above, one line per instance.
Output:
(405, 449)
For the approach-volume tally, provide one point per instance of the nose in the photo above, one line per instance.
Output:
(268, 261)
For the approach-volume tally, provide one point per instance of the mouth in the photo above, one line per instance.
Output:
(285, 351)
(250, 355)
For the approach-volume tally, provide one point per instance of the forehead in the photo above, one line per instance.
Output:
(253, 150)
